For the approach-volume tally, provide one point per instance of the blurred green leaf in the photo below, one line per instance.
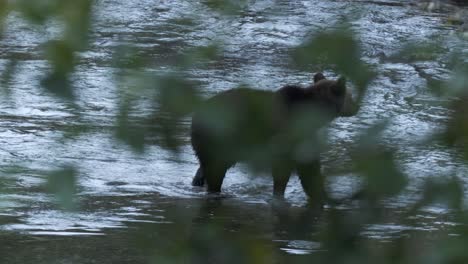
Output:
(175, 99)
(60, 54)
(58, 83)
(211, 241)
(456, 132)
(383, 177)
(75, 14)
(376, 163)
(448, 191)
(4, 9)
(73, 131)
(126, 57)
(418, 51)
(62, 183)
(61, 57)
(176, 96)
(457, 61)
(196, 57)
(337, 49)
(77, 17)
(37, 11)
(436, 86)
(133, 84)
(341, 237)
(228, 7)
(7, 75)
(128, 130)
(457, 86)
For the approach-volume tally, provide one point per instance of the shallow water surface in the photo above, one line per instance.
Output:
(121, 192)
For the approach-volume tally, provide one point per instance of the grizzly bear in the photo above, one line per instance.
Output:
(274, 130)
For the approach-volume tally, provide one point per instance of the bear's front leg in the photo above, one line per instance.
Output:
(281, 171)
(214, 176)
(312, 181)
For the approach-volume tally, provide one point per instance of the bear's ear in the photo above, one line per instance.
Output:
(340, 87)
(318, 77)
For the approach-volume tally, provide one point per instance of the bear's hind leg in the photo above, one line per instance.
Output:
(199, 178)
(214, 176)
(312, 181)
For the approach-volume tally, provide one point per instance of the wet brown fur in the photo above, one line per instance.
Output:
(247, 125)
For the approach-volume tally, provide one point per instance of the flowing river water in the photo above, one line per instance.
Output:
(121, 192)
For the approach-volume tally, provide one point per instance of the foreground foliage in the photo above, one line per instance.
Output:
(174, 97)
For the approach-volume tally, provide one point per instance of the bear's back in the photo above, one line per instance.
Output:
(234, 120)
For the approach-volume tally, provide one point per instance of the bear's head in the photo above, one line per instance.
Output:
(333, 95)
